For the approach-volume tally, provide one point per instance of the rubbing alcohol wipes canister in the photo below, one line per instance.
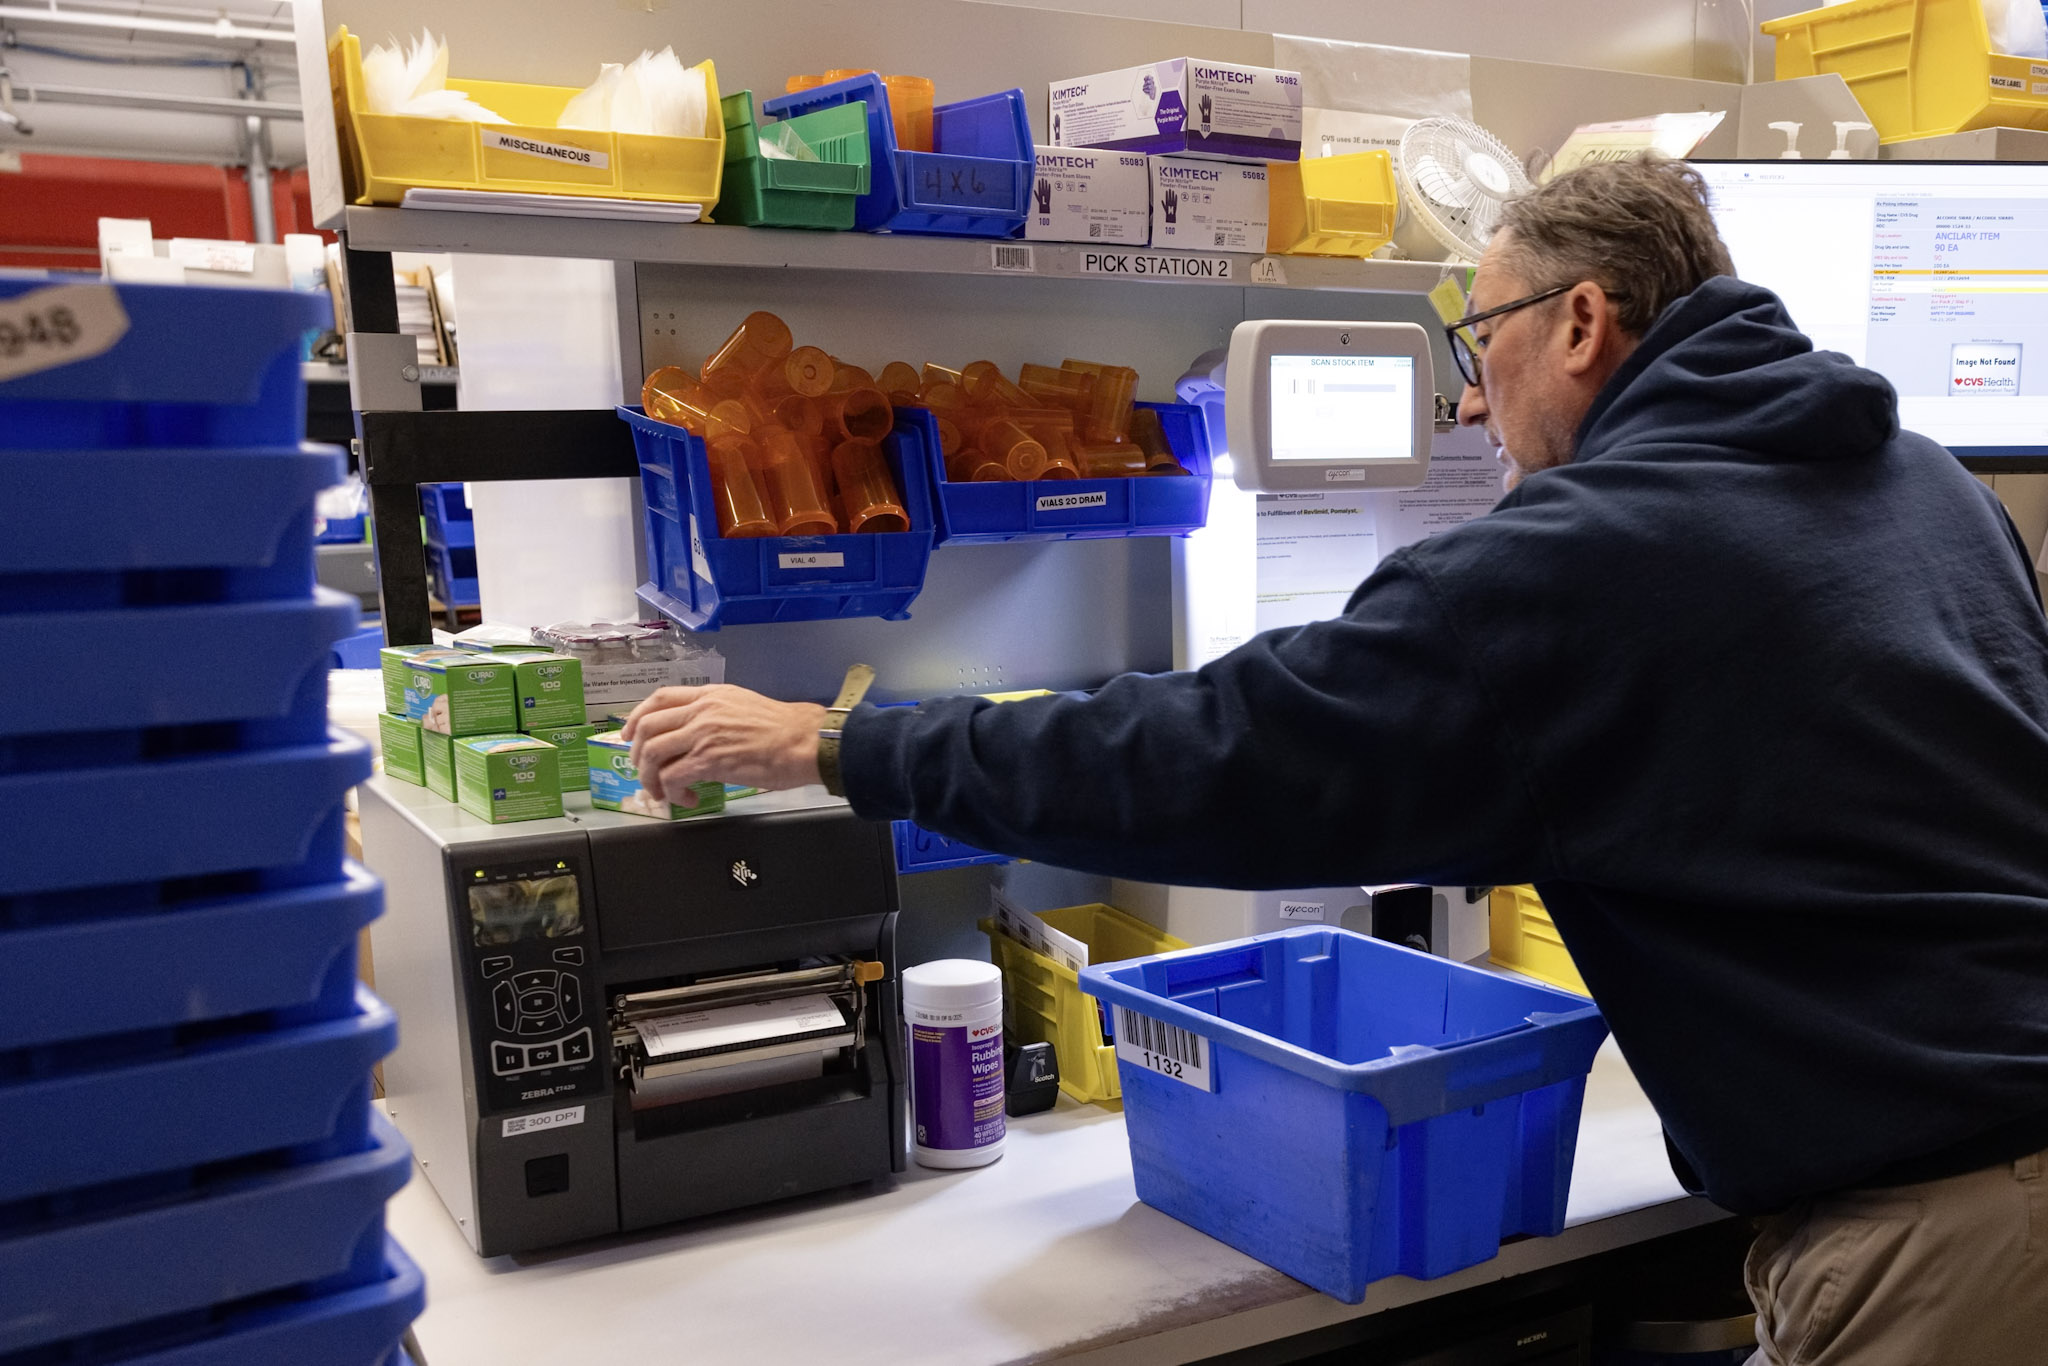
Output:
(953, 1009)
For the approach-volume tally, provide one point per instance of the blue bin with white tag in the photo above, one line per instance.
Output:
(1345, 1109)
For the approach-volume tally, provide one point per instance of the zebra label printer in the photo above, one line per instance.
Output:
(611, 1022)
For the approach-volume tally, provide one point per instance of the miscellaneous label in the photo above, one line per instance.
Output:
(1156, 264)
(1062, 502)
(811, 559)
(1003, 256)
(46, 328)
(1304, 910)
(1267, 270)
(558, 152)
(1166, 1049)
(2008, 83)
(546, 1119)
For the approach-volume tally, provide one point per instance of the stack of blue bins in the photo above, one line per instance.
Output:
(450, 529)
(192, 1172)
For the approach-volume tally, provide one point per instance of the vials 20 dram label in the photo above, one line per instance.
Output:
(1163, 1048)
(1061, 502)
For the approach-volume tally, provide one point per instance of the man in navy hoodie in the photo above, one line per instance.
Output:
(1762, 685)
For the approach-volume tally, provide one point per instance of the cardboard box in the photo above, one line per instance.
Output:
(437, 761)
(615, 784)
(460, 693)
(1184, 104)
(573, 742)
(1201, 205)
(399, 737)
(549, 688)
(508, 777)
(1081, 195)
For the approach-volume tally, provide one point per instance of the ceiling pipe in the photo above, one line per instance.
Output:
(220, 31)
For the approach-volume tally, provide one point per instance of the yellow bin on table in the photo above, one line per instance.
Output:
(384, 155)
(1043, 1001)
(1523, 938)
(1331, 206)
(1920, 68)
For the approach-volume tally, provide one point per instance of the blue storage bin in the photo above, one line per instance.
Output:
(343, 530)
(918, 850)
(89, 1112)
(1084, 509)
(90, 530)
(704, 581)
(1426, 1109)
(448, 517)
(359, 649)
(975, 182)
(196, 366)
(175, 666)
(187, 815)
(156, 956)
(155, 1269)
(451, 575)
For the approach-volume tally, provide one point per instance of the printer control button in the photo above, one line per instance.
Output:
(573, 957)
(543, 1055)
(495, 966)
(544, 980)
(541, 1024)
(507, 1058)
(505, 1006)
(572, 998)
(536, 1002)
(576, 1048)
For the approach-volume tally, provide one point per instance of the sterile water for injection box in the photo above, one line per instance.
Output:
(1184, 104)
(1089, 195)
(1200, 205)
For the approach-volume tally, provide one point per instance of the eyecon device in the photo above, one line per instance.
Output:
(1330, 406)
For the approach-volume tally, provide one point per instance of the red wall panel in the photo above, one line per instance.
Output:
(50, 209)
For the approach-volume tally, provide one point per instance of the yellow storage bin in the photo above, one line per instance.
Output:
(1331, 206)
(1043, 1001)
(1524, 939)
(1919, 67)
(384, 155)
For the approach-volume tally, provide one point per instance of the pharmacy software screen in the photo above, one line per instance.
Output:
(1934, 275)
(1343, 408)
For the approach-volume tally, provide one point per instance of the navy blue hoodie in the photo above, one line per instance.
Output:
(1754, 690)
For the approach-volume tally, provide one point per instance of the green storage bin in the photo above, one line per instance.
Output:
(769, 192)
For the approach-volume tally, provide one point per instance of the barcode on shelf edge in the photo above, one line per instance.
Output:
(1163, 1048)
(1004, 256)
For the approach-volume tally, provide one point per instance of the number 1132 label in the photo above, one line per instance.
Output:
(1163, 1048)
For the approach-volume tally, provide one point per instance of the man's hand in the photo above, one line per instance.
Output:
(683, 736)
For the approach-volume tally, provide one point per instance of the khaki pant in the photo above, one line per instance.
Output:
(1944, 1273)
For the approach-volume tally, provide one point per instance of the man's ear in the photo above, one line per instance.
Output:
(1590, 326)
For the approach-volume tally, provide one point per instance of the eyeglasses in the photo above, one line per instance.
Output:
(1467, 346)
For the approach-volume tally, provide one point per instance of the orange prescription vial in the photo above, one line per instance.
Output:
(758, 342)
(1069, 389)
(867, 492)
(985, 383)
(789, 477)
(734, 491)
(1108, 415)
(672, 394)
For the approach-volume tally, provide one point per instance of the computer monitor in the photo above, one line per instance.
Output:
(1933, 274)
(1329, 405)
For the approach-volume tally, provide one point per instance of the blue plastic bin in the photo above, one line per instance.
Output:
(1375, 1111)
(449, 520)
(343, 530)
(196, 366)
(1084, 509)
(358, 650)
(90, 1112)
(175, 666)
(918, 850)
(91, 530)
(184, 816)
(451, 575)
(976, 180)
(149, 958)
(704, 581)
(155, 1268)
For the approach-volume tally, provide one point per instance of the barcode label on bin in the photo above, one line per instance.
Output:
(1003, 257)
(1166, 1049)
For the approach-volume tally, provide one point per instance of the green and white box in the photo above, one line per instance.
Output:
(550, 690)
(574, 744)
(615, 784)
(508, 777)
(394, 662)
(461, 693)
(437, 761)
(400, 739)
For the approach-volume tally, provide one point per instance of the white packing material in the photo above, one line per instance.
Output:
(415, 84)
(654, 94)
(2018, 28)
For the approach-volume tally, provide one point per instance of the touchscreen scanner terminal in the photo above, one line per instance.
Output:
(1333, 406)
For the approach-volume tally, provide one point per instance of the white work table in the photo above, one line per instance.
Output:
(1044, 1255)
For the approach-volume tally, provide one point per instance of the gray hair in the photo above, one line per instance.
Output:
(1639, 228)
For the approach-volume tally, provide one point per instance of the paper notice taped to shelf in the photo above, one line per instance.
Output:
(1314, 549)
(1464, 482)
(46, 328)
(727, 1028)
